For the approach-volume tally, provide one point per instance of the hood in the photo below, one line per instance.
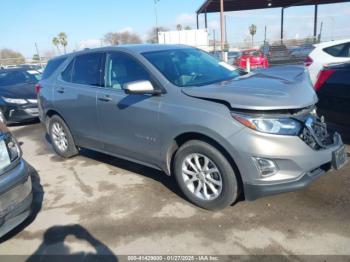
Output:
(25, 91)
(286, 87)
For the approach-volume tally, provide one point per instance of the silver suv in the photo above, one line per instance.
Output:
(220, 133)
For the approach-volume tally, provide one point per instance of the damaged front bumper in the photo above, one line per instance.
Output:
(298, 160)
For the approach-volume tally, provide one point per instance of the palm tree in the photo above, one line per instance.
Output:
(56, 42)
(252, 31)
(63, 40)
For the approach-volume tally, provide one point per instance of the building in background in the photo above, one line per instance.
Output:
(196, 38)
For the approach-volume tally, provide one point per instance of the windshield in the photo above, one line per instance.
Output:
(191, 67)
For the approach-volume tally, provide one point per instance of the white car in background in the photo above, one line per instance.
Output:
(326, 53)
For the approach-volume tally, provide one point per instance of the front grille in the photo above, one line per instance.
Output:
(315, 133)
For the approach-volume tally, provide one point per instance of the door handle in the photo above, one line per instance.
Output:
(106, 98)
(60, 90)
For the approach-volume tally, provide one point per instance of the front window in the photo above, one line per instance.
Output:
(122, 69)
(191, 67)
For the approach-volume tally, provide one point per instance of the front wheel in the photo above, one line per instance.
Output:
(61, 138)
(205, 176)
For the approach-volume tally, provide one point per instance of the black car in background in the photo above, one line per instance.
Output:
(18, 101)
(333, 89)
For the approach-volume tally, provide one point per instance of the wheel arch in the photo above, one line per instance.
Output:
(187, 136)
(49, 114)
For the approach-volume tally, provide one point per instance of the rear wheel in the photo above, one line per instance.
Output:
(205, 176)
(61, 138)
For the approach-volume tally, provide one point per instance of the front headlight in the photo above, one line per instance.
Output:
(278, 126)
(13, 148)
(15, 101)
(9, 151)
(5, 160)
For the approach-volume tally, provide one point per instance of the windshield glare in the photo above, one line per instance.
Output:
(191, 67)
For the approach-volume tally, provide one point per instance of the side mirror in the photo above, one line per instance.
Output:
(140, 87)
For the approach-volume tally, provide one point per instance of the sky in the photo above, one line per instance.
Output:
(26, 22)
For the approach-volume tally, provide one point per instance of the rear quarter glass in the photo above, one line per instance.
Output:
(52, 66)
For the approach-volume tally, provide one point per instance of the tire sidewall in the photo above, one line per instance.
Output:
(229, 191)
(71, 149)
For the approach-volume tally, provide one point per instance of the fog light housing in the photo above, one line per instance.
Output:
(266, 167)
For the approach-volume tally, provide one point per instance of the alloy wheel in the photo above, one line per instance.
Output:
(59, 137)
(202, 177)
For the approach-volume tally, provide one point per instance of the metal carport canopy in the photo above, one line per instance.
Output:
(211, 6)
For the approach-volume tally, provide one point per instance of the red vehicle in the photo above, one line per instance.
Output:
(256, 58)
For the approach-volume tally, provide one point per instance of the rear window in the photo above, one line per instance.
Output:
(52, 66)
(251, 53)
(12, 77)
(342, 50)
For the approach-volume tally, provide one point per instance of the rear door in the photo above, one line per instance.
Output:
(128, 123)
(75, 97)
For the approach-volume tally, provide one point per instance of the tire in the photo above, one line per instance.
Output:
(218, 198)
(3, 118)
(63, 143)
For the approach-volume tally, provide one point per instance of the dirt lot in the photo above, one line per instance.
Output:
(97, 203)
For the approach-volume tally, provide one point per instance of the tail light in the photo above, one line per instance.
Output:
(308, 61)
(322, 78)
(37, 88)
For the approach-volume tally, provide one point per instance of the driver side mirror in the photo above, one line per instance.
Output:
(141, 87)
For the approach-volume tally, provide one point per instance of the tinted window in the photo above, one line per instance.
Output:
(52, 66)
(191, 67)
(87, 69)
(67, 73)
(341, 50)
(12, 78)
(122, 69)
(32, 76)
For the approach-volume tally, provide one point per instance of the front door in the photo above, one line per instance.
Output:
(128, 123)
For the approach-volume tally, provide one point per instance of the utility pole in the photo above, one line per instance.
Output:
(37, 51)
(214, 40)
(222, 23)
(265, 34)
(156, 15)
(320, 34)
(225, 29)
